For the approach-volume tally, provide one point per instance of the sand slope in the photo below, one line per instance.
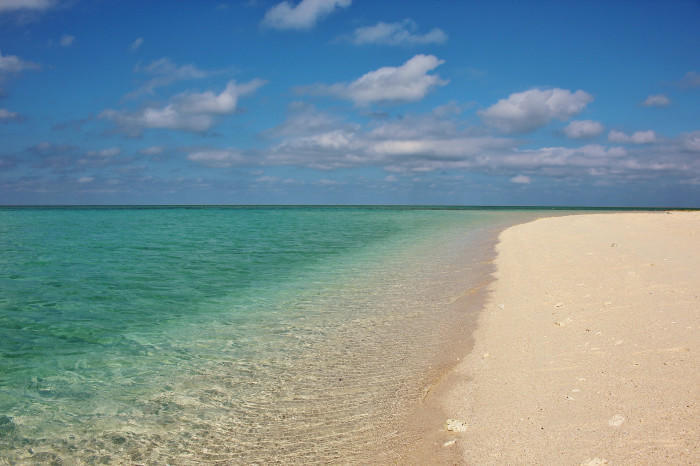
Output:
(588, 348)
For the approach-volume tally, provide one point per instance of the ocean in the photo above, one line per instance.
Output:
(179, 335)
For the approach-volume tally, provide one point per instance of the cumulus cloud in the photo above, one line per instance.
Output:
(136, 44)
(582, 129)
(521, 179)
(433, 143)
(66, 40)
(328, 182)
(638, 137)
(109, 152)
(657, 100)
(6, 115)
(267, 179)
(413, 143)
(399, 33)
(306, 119)
(14, 5)
(526, 111)
(218, 158)
(153, 150)
(691, 141)
(190, 111)
(165, 72)
(14, 64)
(408, 82)
(304, 15)
(691, 79)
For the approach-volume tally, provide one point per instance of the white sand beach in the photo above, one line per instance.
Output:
(587, 350)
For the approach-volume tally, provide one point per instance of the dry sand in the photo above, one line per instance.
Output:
(587, 350)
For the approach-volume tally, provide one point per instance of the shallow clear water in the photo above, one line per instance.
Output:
(186, 335)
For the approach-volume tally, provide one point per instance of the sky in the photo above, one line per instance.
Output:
(350, 102)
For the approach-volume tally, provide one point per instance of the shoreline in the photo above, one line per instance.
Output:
(556, 373)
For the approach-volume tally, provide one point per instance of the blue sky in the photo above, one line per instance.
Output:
(350, 102)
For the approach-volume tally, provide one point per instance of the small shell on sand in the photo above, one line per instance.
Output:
(595, 462)
(455, 425)
(449, 443)
(616, 420)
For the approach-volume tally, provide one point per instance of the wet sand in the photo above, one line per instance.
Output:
(587, 348)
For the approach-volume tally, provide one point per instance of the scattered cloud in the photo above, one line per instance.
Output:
(391, 179)
(691, 141)
(153, 150)
(305, 119)
(435, 143)
(109, 152)
(136, 44)
(410, 144)
(304, 15)
(582, 129)
(66, 40)
(328, 182)
(521, 179)
(219, 158)
(14, 64)
(690, 80)
(7, 116)
(267, 179)
(165, 72)
(408, 82)
(190, 111)
(638, 137)
(399, 33)
(86, 179)
(14, 5)
(657, 100)
(526, 111)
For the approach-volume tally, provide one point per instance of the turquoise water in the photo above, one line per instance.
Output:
(224, 334)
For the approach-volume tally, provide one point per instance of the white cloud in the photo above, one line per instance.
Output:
(267, 179)
(218, 104)
(12, 5)
(691, 79)
(439, 143)
(14, 64)
(328, 182)
(657, 100)
(408, 82)
(391, 178)
(581, 129)
(302, 16)
(66, 40)
(691, 141)
(86, 179)
(444, 147)
(190, 111)
(407, 144)
(153, 150)
(136, 44)
(638, 137)
(6, 115)
(217, 157)
(109, 152)
(165, 72)
(167, 117)
(305, 119)
(529, 110)
(521, 179)
(399, 33)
